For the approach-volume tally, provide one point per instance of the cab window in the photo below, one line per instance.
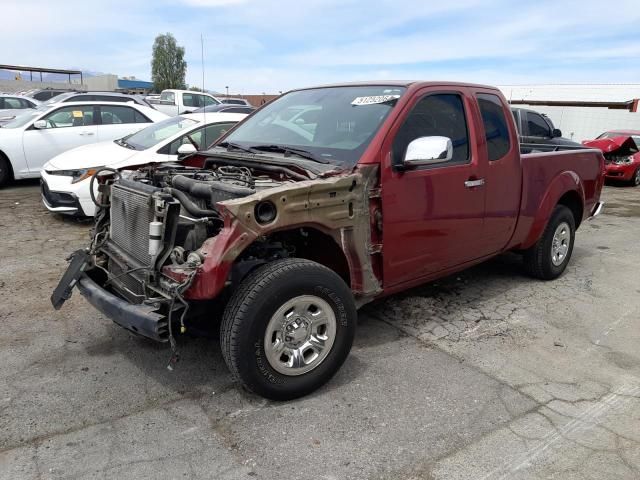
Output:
(496, 131)
(168, 97)
(191, 100)
(440, 114)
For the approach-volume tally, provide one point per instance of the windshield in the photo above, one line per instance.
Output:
(22, 119)
(335, 124)
(156, 133)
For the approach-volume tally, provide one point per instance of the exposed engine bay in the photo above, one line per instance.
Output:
(153, 217)
(198, 191)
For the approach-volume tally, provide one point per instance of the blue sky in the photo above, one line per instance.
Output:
(265, 46)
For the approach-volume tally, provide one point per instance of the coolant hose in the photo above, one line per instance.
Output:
(204, 189)
(190, 206)
(93, 178)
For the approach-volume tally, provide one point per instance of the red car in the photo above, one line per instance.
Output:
(621, 153)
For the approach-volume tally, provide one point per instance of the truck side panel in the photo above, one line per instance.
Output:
(546, 177)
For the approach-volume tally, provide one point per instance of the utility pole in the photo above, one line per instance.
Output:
(227, 87)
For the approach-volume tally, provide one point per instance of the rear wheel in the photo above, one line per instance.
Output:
(288, 328)
(549, 257)
(5, 171)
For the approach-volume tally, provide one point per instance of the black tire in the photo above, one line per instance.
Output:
(635, 180)
(6, 175)
(538, 260)
(250, 309)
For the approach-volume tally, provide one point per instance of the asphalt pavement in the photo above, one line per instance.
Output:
(487, 374)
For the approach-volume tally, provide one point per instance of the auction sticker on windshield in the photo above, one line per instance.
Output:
(373, 99)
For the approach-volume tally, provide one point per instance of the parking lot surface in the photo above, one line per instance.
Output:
(486, 374)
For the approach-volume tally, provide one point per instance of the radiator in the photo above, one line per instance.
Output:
(131, 212)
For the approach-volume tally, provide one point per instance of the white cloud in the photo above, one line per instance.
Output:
(276, 45)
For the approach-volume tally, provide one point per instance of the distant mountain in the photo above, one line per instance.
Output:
(46, 77)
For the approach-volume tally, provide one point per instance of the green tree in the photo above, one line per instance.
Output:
(168, 67)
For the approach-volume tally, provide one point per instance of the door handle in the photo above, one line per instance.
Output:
(474, 183)
(86, 133)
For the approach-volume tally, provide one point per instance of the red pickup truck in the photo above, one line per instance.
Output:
(321, 201)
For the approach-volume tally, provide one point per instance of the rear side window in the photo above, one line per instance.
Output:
(496, 131)
(440, 114)
(112, 114)
(537, 125)
(237, 110)
(112, 98)
(80, 98)
(209, 101)
(14, 103)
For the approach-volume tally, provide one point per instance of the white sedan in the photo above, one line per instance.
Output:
(66, 178)
(36, 136)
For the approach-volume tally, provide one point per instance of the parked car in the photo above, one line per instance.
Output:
(234, 101)
(34, 137)
(99, 97)
(621, 152)
(223, 107)
(13, 105)
(66, 178)
(44, 94)
(399, 184)
(537, 132)
(176, 102)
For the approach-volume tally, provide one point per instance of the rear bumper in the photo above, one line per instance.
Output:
(143, 320)
(597, 208)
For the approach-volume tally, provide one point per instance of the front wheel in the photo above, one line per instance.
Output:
(288, 328)
(549, 257)
(635, 180)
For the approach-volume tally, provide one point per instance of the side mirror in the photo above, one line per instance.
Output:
(556, 133)
(186, 149)
(40, 124)
(428, 150)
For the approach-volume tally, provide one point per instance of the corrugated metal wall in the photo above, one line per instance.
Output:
(580, 123)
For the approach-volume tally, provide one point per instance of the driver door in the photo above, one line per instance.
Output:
(432, 214)
(67, 128)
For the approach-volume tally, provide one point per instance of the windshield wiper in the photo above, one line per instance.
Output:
(235, 146)
(290, 150)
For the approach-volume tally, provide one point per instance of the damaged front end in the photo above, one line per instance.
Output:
(166, 239)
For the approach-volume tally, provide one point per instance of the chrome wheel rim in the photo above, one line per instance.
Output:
(300, 335)
(636, 179)
(560, 244)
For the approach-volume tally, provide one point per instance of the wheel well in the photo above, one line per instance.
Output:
(4, 156)
(573, 202)
(307, 242)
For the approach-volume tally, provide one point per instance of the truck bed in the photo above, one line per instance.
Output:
(545, 175)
